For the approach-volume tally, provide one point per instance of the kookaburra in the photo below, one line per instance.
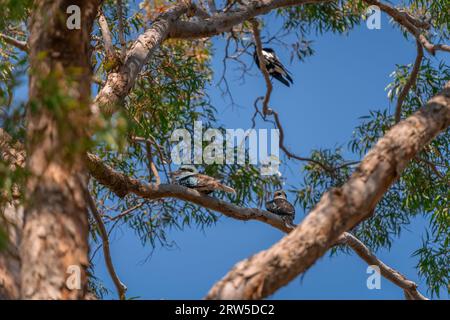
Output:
(274, 66)
(188, 176)
(281, 206)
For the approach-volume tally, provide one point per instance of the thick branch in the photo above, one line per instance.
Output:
(224, 21)
(120, 83)
(339, 209)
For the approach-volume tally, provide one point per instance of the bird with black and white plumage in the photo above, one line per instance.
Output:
(282, 207)
(189, 177)
(274, 66)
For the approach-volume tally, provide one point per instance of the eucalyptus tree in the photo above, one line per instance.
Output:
(107, 83)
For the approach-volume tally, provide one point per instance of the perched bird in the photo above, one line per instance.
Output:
(274, 66)
(188, 176)
(281, 206)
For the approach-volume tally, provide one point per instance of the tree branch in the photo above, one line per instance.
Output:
(411, 24)
(212, 6)
(107, 38)
(224, 21)
(119, 83)
(22, 45)
(262, 66)
(392, 275)
(117, 181)
(340, 209)
(120, 287)
(122, 185)
(121, 33)
(168, 25)
(410, 83)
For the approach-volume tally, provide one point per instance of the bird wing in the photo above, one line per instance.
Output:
(207, 183)
(281, 207)
(274, 65)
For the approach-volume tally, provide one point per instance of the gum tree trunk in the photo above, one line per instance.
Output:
(54, 248)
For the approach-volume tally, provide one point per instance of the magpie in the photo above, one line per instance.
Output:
(282, 207)
(274, 66)
(188, 176)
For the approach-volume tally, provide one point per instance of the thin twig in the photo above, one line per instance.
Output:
(121, 288)
(262, 66)
(325, 167)
(411, 82)
(151, 165)
(433, 168)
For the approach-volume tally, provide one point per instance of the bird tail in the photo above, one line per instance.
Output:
(280, 78)
(226, 188)
(289, 222)
(289, 77)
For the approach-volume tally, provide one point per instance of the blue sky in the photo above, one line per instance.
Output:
(341, 82)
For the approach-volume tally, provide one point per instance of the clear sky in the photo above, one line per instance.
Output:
(343, 80)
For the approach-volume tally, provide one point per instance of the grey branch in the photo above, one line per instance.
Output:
(121, 288)
(262, 66)
(411, 82)
(107, 38)
(121, 33)
(22, 45)
(409, 287)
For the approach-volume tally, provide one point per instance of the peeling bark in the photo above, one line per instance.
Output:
(55, 230)
(11, 217)
(339, 209)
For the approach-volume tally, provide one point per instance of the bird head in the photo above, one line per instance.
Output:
(183, 172)
(188, 168)
(280, 194)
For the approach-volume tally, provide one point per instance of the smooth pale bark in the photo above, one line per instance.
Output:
(339, 210)
(54, 241)
(119, 83)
